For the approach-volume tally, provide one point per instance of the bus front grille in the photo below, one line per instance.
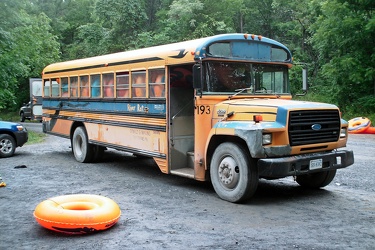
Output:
(313, 126)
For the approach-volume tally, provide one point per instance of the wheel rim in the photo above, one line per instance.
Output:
(6, 146)
(78, 144)
(229, 172)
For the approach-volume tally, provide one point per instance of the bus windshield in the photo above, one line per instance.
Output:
(232, 77)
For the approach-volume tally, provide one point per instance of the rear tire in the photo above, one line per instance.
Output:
(7, 145)
(316, 180)
(233, 172)
(83, 151)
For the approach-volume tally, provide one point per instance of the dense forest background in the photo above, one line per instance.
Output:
(335, 39)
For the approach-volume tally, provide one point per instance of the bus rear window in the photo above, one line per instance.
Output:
(51, 87)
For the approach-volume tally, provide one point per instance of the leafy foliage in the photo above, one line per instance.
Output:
(27, 45)
(122, 19)
(344, 36)
(333, 38)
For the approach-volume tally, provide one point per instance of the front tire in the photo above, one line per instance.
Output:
(83, 151)
(7, 145)
(22, 117)
(316, 180)
(233, 172)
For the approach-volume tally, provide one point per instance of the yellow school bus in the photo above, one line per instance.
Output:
(216, 108)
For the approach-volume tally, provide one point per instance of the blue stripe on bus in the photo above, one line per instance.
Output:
(107, 106)
(282, 116)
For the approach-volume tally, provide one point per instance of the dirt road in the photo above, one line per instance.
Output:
(162, 211)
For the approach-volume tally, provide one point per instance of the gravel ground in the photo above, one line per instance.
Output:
(163, 211)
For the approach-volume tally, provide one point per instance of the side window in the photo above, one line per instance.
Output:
(122, 84)
(84, 86)
(95, 85)
(139, 84)
(55, 86)
(156, 78)
(108, 85)
(64, 87)
(74, 86)
(46, 87)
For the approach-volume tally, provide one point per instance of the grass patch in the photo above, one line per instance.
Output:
(12, 117)
(35, 137)
(9, 116)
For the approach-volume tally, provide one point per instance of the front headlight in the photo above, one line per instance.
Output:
(20, 128)
(343, 132)
(267, 139)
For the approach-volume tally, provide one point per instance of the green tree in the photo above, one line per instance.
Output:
(91, 40)
(122, 20)
(151, 9)
(27, 46)
(344, 35)
(185, 19)
(67, 16)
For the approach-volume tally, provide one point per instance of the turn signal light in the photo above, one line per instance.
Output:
(257, 118)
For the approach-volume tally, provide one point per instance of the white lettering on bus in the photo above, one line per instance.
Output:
(140, 108)
(131, 108)
(159, 107)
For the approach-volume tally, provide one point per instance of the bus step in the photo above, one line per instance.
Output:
(184, 172)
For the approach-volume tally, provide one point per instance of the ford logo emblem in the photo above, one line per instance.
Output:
(316, 127)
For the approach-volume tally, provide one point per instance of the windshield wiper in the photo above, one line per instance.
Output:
(240, 91)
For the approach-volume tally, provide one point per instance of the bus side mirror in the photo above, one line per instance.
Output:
(197, 76)
(305, 85)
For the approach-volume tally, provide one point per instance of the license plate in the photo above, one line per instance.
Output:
(316, 164)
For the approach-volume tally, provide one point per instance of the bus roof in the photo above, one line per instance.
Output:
(175, 53)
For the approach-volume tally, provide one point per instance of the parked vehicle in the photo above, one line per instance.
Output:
(12, 135)
(217, 108)
(33, 109)
(25, 112)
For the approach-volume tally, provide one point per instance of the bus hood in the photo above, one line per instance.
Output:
(246, 109)
(304, 126)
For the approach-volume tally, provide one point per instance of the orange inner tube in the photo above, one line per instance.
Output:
(77, 213)
(358, 125)
(370, 130)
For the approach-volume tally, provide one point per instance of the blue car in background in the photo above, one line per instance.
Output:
(12, 135)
